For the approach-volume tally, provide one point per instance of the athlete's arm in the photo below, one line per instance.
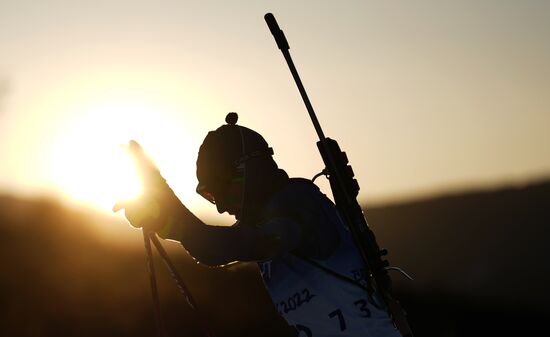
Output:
(220, 245)
(310, 232)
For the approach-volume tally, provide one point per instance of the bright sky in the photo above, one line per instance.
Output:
(423, 95)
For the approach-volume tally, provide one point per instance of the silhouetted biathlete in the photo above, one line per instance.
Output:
(309, 264)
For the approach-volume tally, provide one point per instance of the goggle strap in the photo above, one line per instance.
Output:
(254, 154)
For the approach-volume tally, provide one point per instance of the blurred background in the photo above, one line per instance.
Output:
(441, 106)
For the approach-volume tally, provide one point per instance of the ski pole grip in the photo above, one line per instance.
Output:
(276, 31)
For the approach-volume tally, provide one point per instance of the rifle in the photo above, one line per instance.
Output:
(345, 189)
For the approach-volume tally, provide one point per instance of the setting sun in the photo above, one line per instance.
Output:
(89, 163)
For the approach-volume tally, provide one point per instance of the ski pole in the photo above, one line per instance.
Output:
(179, 282)
(153, 280)
(151, 237)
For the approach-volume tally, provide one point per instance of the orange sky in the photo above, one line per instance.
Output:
(424, 96)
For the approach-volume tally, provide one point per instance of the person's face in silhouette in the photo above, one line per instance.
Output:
(226, 195)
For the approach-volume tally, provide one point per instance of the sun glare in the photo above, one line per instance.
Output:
(89, 162)
(90, 165)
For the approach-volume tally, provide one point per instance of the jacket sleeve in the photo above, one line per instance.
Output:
(299, 222)
(220, 245)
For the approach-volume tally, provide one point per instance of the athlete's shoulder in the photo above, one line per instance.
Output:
(304, 203)
(299, 188)
(299, 194)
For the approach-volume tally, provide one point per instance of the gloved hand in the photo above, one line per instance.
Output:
(142, 212)
(156, 208)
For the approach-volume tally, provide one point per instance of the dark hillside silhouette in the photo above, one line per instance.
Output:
(61, 278)
(479, 261)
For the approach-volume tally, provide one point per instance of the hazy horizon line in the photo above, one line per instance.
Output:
(447, 190)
